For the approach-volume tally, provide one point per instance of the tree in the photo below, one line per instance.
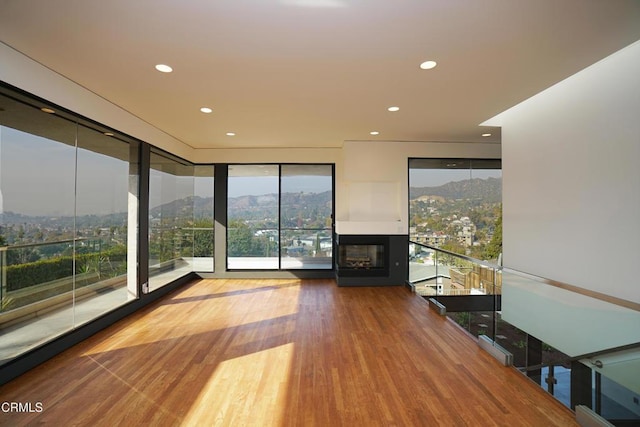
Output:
(203, 238)
(242, 242)
(476, 217)
(494, 248)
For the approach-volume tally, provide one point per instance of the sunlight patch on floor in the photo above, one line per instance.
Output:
(200, 310)
(258, 384)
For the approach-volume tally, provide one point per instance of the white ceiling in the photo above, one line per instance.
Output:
(314, 73)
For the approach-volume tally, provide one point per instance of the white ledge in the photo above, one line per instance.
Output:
(370, 227)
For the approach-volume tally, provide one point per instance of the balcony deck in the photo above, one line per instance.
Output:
(281, 352)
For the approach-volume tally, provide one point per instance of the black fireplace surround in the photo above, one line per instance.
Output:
(360, 256)
(371, 260)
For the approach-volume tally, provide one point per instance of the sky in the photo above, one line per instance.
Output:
(37, 177)
(436, 177)
(242, 186)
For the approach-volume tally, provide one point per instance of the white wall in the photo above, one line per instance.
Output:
(571, 179)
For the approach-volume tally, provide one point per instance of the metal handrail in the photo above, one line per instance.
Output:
(598, 353)
(464, 257)
(33, 245)
(555, 283)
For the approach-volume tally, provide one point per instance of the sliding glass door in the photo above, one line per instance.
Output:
(252, 217)
(280, 217)
(306, 207)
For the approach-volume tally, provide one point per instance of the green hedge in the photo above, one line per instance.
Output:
(22, 276)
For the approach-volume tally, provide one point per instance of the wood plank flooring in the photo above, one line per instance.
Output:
(281, 353)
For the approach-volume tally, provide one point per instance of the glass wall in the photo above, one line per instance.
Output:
(456, 205)
(105, 179)
(280, 217)
(65, 199)
(252, 217)
(306, 209)
(171, 225)
(203, 220)
(69, 209)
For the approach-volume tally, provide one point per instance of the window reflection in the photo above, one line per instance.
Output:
(65, 205)
(171, 223)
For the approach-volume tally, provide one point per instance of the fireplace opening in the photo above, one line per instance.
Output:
(362, 255)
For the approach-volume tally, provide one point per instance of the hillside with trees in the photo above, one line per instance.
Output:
(462, 216)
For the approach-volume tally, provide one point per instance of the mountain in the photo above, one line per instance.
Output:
(202, 207)
(292, 205)
(489, 190)
(249, 207)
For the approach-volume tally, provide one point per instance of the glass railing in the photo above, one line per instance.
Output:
(252, 248)
(176, 251)
(288, 249)
(203, 260)
(49, 288)
(171, 251)
(437, 272)
(306, 248)
(582, 347)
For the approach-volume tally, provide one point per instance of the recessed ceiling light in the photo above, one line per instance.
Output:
(231, 134)
(427, 65)
(206, 110)
(164, 68)
(47, 110)
(108, 134)
(375, 132)
(393, 108)
(486, 134)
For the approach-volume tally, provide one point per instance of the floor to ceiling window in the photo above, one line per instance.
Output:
(171, 186)
(279, 217)
(66, 206)
(456, 204)
(70, 207)
(203, 220)
(306, 209)
(252, 217)
(106, 207)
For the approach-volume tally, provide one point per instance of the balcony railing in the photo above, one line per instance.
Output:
(583, 347)
(288, 248)
(47, 289)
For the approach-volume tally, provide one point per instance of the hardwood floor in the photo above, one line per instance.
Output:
(281, 353)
